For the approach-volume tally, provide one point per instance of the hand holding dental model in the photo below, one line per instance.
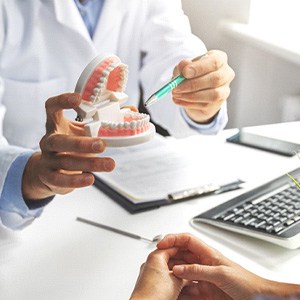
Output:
(68, 149)
(101, 86)
(66, 157)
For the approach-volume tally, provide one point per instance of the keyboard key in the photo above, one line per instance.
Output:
(273, 216)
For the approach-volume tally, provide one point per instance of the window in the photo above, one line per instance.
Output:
(279, 15)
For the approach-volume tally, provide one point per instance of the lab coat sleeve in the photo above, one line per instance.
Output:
(14, 213)
(166, 40)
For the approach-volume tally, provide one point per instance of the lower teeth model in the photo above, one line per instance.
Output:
(101, 85)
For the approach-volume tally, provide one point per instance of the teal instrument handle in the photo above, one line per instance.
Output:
(169, 86)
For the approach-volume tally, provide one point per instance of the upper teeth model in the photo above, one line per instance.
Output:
(101, 85)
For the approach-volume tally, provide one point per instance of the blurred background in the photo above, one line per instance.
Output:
(262, 40)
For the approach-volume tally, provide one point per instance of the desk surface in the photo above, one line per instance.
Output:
(59, 258)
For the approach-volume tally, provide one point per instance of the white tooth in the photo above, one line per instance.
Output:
(105, 73)
(96, 91)
(104, 124)
(113, 125)
(133, 124)
(110, 68)
(126, 125)
(121, 125)
(139, 123)
(131, 113)
(102, 79)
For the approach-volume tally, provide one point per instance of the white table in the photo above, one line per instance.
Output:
(59, 258)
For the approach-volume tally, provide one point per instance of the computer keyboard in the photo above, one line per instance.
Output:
(270, 212)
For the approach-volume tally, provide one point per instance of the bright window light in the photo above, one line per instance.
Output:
(276, 14)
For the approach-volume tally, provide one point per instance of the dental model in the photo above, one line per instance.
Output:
(101, 86)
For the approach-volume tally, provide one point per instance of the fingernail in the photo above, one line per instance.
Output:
(178, 269)
(190, 72)
(89, 180)
(109, 165)
(97, 146)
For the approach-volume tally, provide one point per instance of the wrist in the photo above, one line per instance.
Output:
(198, 117)
(32, 186)
(281, 289)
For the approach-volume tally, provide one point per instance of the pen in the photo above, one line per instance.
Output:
(167, 88)
(204, 190)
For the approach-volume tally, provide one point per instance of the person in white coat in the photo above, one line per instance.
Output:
(45, 45)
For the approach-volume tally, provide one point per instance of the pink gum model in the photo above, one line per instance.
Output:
(102, 85)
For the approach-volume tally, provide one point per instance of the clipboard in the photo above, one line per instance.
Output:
(125, 202)
(210, 189)
(161, 172)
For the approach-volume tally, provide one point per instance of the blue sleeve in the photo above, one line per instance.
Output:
(218, 123)
(14, 212)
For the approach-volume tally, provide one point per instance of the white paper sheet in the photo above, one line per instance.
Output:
(151, 171)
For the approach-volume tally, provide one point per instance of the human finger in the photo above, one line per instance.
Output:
(223, 76)
(187, 241)
(64, 101)
(183, 257)
(71, 162)
(212, 274)
(131, 107)
(203, 98)
(56, 105)
(67, 143)
(164, 255)
(212, 61)
(61, 183)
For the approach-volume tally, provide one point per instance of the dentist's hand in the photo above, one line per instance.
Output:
(67, 156)
(207, 87)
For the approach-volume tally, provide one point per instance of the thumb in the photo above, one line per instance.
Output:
(196, 272)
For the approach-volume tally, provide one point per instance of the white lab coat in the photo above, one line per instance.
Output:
(44, 46)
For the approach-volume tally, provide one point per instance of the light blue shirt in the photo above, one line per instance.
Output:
(90, 11)
(218, 123)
